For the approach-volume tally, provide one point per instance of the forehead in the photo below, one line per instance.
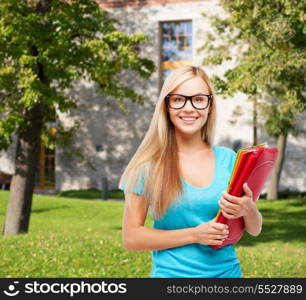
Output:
(192, 86)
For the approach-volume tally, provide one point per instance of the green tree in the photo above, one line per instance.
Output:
(45, 45)
(265, 43)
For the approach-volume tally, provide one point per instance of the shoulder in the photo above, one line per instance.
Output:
(137, 180)
(225, 156)
(224, 151)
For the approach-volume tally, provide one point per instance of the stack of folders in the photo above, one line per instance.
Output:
(254, 166)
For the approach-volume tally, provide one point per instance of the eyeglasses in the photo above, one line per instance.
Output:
(198, 101)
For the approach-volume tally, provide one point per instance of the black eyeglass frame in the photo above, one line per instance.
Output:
(210, 97)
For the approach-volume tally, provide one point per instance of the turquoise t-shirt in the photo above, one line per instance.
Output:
(196, 206)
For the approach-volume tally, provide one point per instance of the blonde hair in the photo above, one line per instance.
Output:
(156, 159)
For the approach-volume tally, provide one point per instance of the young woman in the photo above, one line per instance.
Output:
(179, 176)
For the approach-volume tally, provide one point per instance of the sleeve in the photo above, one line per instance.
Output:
(232, 160)
(227, 158)
(139, 186)
(229, 161)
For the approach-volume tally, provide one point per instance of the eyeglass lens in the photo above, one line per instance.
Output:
(200, 101)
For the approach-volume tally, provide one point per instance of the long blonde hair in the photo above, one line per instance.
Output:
(156, 158)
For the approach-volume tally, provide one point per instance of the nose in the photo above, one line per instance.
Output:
(188, 105)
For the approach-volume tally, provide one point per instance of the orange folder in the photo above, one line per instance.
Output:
(254, 166)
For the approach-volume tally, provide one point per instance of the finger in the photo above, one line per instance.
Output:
(215, 242)
(229, 211)
(214, 231)
(221, 236)
(219, 233)
(247, 190)
(219, 226)
(229, 216)
(228, 206)
(231, 198)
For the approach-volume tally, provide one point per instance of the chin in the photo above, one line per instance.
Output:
(189, 131)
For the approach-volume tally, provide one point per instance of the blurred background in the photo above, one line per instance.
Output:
(79, 81)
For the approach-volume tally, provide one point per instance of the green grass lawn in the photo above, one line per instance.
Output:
(82, 238)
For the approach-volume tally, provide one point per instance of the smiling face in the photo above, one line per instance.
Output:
(189, 120)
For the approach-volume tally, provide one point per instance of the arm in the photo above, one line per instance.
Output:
(253, 221)
(235, 207)
(138, 237)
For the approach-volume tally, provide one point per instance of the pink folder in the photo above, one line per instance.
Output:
(253, 165)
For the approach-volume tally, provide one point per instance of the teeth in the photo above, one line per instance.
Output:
(189, 119)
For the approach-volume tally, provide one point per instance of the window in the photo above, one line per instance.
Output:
(45, 169)
(176, 46)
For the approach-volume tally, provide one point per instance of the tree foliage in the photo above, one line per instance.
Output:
(265, 43)
(46, 45)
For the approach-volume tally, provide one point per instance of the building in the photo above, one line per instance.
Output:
(176, 29)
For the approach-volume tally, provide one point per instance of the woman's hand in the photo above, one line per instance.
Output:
(211, 233)
(234, 207)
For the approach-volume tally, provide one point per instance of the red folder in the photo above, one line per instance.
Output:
(254, 166)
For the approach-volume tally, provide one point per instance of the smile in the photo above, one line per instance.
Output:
(188, 120)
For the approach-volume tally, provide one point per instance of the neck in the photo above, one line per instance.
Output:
(190, 144)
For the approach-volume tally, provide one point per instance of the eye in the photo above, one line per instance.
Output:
(176, 99)
(199, 99)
